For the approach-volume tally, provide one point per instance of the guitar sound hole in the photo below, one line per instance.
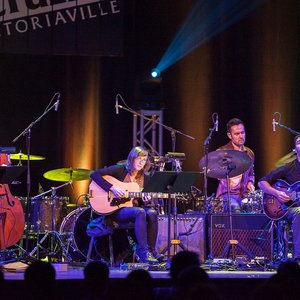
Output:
(117, 201)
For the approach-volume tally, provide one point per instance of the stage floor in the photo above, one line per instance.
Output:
(76, 272)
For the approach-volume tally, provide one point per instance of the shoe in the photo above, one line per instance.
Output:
(160, 257)
(144, 256)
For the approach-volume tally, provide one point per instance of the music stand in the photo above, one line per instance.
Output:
(171, 182)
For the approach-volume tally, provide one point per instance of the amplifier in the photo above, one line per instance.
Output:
(190, 231)
(252, 231)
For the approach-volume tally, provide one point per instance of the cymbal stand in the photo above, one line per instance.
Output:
(232, 243)
(215, 118)
(55, 240)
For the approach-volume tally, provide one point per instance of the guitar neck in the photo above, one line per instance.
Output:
(151, 195)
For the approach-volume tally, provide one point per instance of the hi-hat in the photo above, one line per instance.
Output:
(22, 156)
(286, 159)
(223, 162)
(68, 174)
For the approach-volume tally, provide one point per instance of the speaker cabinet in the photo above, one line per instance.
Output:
(190, 231)
(253, 231)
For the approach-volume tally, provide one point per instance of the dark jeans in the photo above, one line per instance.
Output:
(145, 224)
(293, 216)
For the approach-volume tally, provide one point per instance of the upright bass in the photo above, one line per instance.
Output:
(12, 220)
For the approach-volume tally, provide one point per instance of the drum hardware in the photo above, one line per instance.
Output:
(73, 234)
(27, 133)
(56, 243)
(68, 174)
(252, 203)
(224, 164)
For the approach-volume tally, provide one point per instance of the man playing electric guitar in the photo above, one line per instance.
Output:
(145, 219)
(290, 173)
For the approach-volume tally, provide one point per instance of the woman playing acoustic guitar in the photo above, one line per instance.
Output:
(118, 181)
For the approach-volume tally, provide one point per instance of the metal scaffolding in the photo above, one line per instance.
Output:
(147, 133)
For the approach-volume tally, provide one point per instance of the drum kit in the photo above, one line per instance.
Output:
(222, 163)
(50, 218)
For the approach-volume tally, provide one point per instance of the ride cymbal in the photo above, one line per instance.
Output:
(286, 159)
(68, 174)
(223, 162)
(22, 156)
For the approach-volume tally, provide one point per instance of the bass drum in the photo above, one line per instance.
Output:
(75, 239)
(73, 232)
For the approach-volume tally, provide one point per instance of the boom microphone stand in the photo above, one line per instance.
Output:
(27, 133)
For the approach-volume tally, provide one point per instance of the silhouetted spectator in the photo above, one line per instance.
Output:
(141, 284)
(283, 285)
(137, 286)
(40, 281)
(179, 262)
(96, 275)
(206, 291)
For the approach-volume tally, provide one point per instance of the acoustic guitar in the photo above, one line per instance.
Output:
(105, 203)
(276, 210)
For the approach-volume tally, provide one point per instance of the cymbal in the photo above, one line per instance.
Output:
(22, 156)
(220, 161)
(286, 159)
(68, 174)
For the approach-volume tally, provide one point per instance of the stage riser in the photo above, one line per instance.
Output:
(191, 231)
(253, 231)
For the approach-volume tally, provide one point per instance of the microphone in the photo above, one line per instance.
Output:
(274, 125)
(217, 122)
(57, 102)
(117, 105)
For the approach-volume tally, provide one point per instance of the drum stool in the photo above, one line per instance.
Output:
(120, 226)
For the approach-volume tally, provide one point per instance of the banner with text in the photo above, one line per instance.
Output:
(81, 27)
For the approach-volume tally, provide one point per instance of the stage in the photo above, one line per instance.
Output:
(73, 273)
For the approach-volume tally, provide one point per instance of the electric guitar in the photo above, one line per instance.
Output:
(276, 210)
(105, 203)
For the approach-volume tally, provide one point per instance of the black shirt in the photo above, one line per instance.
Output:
(289, 173)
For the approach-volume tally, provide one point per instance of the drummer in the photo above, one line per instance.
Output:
(242, 184)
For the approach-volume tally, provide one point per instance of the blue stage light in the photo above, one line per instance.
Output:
(155, 73)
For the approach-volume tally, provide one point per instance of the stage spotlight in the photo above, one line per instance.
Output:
(155, 73)
(148, 91)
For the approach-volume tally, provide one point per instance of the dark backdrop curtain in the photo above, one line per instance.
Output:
(248, 71)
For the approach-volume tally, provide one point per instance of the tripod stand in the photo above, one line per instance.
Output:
(55, 240)
(232, 243)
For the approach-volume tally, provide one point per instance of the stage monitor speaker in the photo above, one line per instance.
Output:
(190, 231)
(253, 231)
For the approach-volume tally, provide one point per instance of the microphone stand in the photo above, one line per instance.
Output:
(27, 133)
(173, 138)
(172, 130)
(206, 148)
(287, 128)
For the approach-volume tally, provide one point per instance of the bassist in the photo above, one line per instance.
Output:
(290, 173)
